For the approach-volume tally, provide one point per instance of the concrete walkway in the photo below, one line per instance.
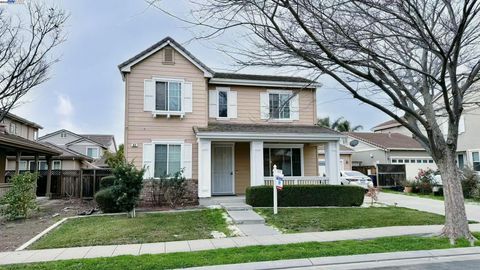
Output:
(397, 260)
(427, 205)
(248, 221)
(30, 256)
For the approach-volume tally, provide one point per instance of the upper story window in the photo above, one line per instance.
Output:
(222, 104)
(93, 152)
(13, 128)
(476, 161)
(168, 96)
(279, 105)
(63, 134)
(35, 135)
(168, 159)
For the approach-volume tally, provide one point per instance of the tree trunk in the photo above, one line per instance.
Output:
(456, 222)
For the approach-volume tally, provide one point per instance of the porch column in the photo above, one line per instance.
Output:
(3, 166)
(17, 162)
(48, 193)
(204, 168)
(256, 163)
(36, 164)
(332, 162)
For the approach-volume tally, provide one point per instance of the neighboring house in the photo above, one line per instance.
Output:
(468, 147)
(16, 125)
(345, 159)
(226, 131)
(373, 149)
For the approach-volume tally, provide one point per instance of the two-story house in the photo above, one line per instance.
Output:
(224, 130)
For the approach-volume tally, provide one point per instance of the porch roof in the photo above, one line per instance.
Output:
(11, 144)
(267, 132)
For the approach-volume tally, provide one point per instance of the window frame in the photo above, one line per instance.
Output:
(218, 103)
(13, 128)
(286, 146)
(168, 144)
(473, 160)
(93, 147)
(168, 81)
(280, 93)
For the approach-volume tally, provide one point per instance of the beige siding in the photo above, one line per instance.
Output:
(248, 106)
(310, 161)
(242, 167)
(141, 127)
(347, 161)
(23, 130)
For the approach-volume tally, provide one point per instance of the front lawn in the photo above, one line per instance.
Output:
(251, 254)
(427, 196)
(145, 228)
(293, 220)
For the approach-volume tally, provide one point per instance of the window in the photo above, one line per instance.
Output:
(57, 165)
(461, 161)
(63, 135)
(93, 152)
(412, 160)
(22, 166)
(430, 161)
(42, 165)
(394, 161)
(476, 161)
(13, 128)
(168, 96)
(222, 104)
(35, 135)
(168, 159)
(279, 105)
(287, 159)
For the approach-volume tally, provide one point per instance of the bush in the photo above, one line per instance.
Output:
(128, 185)
(20, 199)
(107, 201)
(174, 189)
(107, 181)
(470, 185)
(320, 195)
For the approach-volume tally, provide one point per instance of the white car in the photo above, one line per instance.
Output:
(355, 178)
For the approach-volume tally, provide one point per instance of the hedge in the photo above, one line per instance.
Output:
(107, 181)
(306, 195)
(106, 201)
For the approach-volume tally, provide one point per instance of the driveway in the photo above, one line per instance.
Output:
(427, 205)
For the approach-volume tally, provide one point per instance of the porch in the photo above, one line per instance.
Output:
(232, 157)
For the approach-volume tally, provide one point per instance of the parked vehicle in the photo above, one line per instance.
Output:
(355, 178)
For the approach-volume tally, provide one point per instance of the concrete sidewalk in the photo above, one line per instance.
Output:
(364, 261)
(30, 256)
(427, 205)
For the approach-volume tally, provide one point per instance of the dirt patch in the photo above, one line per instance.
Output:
(15, 233)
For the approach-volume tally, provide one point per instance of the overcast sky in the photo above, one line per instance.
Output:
(85, 93)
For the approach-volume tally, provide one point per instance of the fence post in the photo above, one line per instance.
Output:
(81, 184)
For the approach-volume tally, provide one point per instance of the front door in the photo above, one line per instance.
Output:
(222, 170)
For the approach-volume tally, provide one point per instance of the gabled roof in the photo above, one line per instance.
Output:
(387, 124)
(22, 120)
(168, 41)
(85, 139)
(67, 153)
(57, 132)
(102, 139)
(387, 141)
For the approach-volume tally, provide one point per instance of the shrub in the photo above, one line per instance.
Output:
(107, 181)
(128, 185)
(305, 195)
(20, 199)
(107, 201)
(424, 182)
(174, 189)
(470, 185)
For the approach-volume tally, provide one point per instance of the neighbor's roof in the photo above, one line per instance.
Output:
(102, 139)
(11, 143)
(263, 128)
(67, 153)
(393, 141)
(22, 120)
(217, 77)
(387, 124)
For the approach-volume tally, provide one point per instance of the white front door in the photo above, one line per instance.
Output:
(222, 169)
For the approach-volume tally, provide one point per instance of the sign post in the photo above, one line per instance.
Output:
(277, 185)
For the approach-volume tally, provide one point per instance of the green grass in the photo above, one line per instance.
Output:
(145, 228)
(293, 220)
(251, 254)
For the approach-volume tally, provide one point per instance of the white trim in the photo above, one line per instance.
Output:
(232, 145)
(225, 81)
(281, 92)
(282, 145)
(226, 90)
(128, 67)
(168, 113)
(168, 141)
(248, 136)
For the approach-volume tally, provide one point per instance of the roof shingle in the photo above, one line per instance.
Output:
(387, 140)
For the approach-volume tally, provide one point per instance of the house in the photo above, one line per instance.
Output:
(225, 130)
(345, 159)
(374, 149)
(19, 126)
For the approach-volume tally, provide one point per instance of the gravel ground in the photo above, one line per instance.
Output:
(15, 233)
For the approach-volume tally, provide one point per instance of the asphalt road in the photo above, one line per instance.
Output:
(455, 265)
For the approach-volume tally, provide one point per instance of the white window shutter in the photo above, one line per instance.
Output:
(148, 160)
(461, 125)
(232, 104)
(187, 97)
(187, 160)
(264, 106)
(295, 107)
(212, 103)
(149, 95)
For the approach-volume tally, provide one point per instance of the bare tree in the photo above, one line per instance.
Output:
(25, 49)
(414, 60)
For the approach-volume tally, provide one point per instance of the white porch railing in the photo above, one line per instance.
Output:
(4, 188)
(299, 180)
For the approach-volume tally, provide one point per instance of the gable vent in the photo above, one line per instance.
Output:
(168, 55)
